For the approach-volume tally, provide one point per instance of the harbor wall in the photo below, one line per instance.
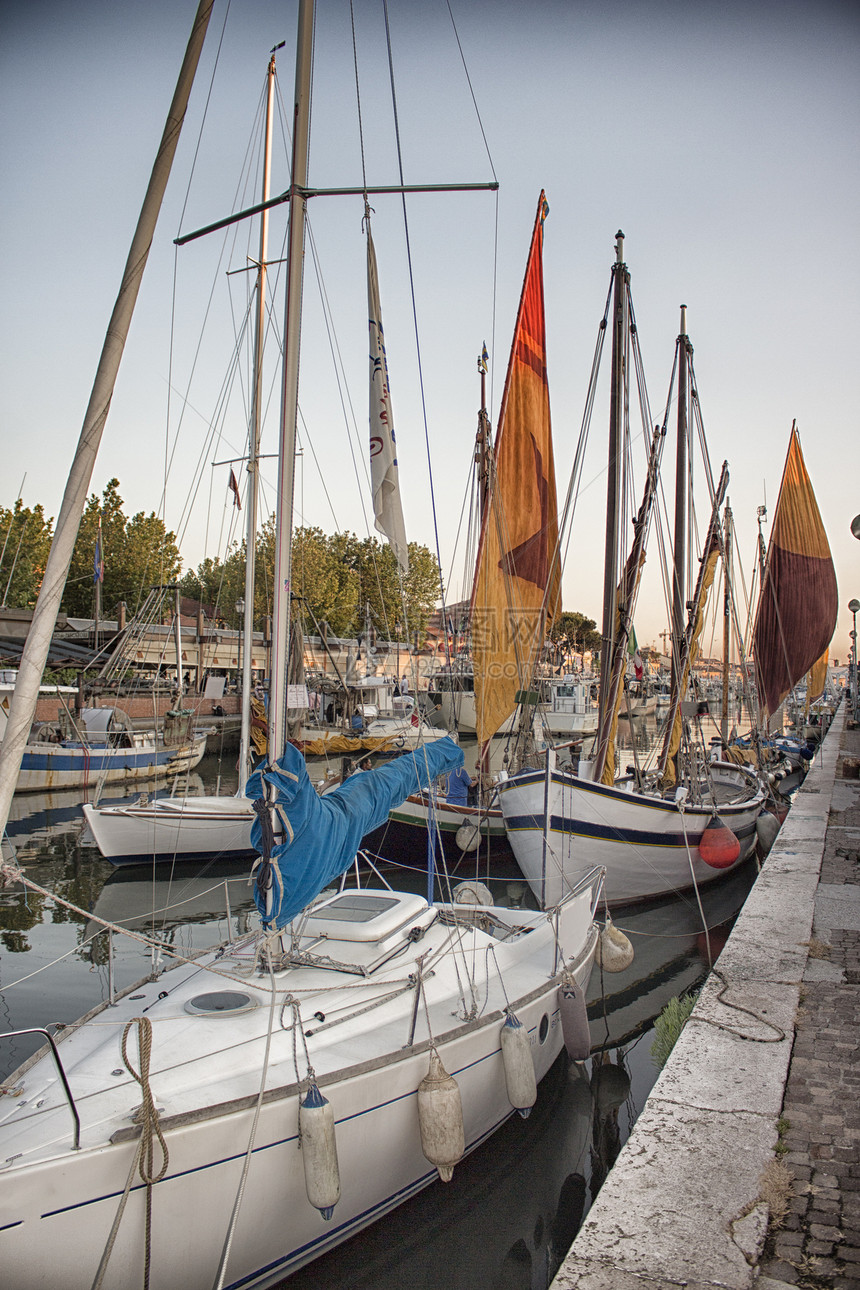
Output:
(684, 1203)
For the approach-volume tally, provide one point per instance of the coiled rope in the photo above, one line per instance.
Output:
(143, 1162)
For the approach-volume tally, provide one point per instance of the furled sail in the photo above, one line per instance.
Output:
(387, 506)
(706, 580)
(321, 835)
(517, 580)
(798, 603)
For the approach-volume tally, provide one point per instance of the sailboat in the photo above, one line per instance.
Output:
(302, 1080)
(517, 505)
(200, 827)
(648, 831)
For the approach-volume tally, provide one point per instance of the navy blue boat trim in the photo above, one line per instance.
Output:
(608, 833)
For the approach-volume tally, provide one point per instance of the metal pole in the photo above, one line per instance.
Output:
(38, 643)
(254, 453)
(290, 392)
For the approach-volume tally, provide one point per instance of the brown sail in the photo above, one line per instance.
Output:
(799, 602)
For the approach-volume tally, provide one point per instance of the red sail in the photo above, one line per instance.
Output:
(798, 602)
(517, 580)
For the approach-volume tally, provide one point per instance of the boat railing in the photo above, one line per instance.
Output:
(17, 1034)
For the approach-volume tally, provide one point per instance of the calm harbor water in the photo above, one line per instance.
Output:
(512, 1209)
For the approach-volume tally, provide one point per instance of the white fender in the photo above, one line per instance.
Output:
(319, 1151)
(440, 1118)
(468, 837)
(519, 1065)
(614, 950)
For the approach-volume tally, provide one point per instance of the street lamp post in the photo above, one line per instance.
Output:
(854, 606)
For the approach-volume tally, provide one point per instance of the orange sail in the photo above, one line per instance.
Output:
(517, 580)
(798, 602)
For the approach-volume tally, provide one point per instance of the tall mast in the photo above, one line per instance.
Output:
(613, 490)
(290, 393)
(679, 585)
(254, 445)
(35, 653)
(482, 441)
(727, 618)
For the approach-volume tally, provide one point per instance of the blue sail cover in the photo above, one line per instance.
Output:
(323, 834)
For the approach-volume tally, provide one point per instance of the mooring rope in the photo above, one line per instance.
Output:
(143, 1162)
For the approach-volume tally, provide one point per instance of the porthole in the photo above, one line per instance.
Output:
(220, 1003)
(543, 1028)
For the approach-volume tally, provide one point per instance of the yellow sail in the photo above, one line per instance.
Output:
(517, 580)
(669, 776)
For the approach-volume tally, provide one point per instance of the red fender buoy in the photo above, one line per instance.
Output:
(718, 846)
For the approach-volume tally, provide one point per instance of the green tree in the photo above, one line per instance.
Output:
(138, 553)
(333, 578)
(576, 632)
(25, 540)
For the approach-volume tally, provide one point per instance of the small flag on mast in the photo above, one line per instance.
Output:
(234, 489)
(98, 558)
(387, 507)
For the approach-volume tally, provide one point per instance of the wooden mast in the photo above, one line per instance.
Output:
(727, 619)
(679, 583)
(613, 488)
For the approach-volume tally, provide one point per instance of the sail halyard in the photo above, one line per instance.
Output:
(517, 587)
(798, 599)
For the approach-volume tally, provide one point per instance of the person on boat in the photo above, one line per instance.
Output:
(357, 723)
(459, 783)
(404, 685)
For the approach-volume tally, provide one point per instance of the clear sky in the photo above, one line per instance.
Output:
(722, 139)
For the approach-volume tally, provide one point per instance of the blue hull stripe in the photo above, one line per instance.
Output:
(606, 833)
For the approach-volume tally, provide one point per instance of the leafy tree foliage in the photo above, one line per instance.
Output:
(337, 579)
(25, 540)
(138, 552)
(576, 632)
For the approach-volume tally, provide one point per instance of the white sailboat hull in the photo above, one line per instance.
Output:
(567, 723)
(647, 846)
(190, 828)
(59, 1204)
(458, 709)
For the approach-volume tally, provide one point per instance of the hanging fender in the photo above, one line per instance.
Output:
(519, 1065)
(319, 1151)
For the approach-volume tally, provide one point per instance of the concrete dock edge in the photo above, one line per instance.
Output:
(682, 1205)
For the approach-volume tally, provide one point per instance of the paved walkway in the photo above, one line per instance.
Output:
(819, 1245)
(766, 1069)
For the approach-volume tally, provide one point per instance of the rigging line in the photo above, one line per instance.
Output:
(414, 311)
(471, 89)
(241, 186)
(358, 100)
(195, 158)
(347, 409)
